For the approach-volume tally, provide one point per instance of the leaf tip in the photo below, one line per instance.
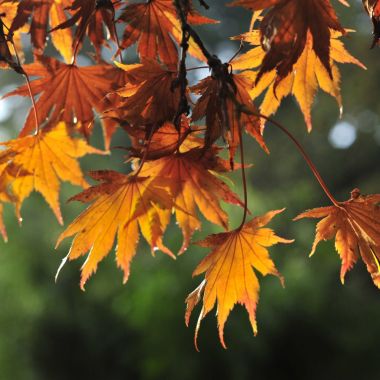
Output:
(63, 262)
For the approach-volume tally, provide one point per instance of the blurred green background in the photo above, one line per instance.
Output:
(315, 328)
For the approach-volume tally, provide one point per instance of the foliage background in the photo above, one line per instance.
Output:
(313, 329)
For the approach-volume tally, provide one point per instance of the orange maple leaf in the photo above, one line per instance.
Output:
(284, 30)
(121, 204)
(307, 75)
(154, 25)
(222, 118)
(42, 14)
(48, 157)
(90, 16)
(149, 83)
(355, 224)
(165, 141)
(67, 93)
(229, 277)
(9, 40)
(195, 184)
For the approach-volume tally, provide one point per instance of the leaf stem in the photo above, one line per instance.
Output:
(120, 54)
(215, 65)
(146, 151)
(26, 76)
(244, 178)
(306, 157)
(33, 104)
(197, 68)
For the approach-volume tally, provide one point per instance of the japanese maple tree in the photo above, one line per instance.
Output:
(178, 131)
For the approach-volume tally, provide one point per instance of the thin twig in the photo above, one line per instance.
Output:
(116, 36)
(197, 68)
(204, 4)
(182, 7)
(237, 52)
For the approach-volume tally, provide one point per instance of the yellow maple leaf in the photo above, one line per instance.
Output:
(62, 39)
(8, 172)
(8, 11)
(307, 75)
(122, 204)
(49, 157)
(229, 277)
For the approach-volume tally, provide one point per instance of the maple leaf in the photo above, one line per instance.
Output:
(222, 118)
(90, 16)
(230, 278)
(8, 172)
(154, 25)
(43, 14)
(149, 83)
(165, 141)
(9, 41)
(372, 7)
(4, 197)
(195, 184)
(68, 93)
(49, 157)
(121, 203)
(307, 75)
(284, 31)
(355, 224)
(6, 58)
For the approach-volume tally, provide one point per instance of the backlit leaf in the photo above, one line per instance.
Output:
(121, 204)
(221, 113)
(307, 75)
(149, 83)
(355, 224)
(195, 186)
(49, 157)
(285, 28)
(229, 271)
(67, 93)
(154, 25)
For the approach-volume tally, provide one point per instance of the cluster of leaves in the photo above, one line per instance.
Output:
(176, 164)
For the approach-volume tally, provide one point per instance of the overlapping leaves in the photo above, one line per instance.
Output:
(68, 93)
(307, 75)
(177, 169)
(122, 203)
(154, 25)
(286, 27)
